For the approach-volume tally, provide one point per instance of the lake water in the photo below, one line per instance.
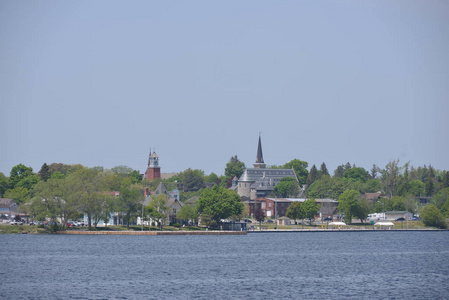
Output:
(332, 265)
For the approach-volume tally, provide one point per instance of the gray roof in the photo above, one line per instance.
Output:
(253, 174)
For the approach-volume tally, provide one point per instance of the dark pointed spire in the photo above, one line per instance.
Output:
(259, 159)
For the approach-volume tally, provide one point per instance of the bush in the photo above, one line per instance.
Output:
(177, 225)
(432, 216)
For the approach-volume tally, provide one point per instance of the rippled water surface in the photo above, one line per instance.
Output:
(337, 265)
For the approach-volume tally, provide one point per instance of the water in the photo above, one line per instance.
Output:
(337, 265)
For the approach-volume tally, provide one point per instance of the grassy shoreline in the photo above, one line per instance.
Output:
(399, 226)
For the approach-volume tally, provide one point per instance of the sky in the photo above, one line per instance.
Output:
(99, 83)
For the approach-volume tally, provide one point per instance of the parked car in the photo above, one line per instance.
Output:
(15, 222)
(70, 224)
(400, 219)
(327, 219)
(415, 218)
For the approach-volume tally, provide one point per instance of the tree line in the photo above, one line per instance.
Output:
(69, 190)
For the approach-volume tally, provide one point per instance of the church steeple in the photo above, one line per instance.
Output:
(153, 169)
(259, 158)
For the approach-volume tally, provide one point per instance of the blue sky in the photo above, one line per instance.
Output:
(100, 82)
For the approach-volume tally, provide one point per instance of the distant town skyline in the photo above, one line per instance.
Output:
(99, 83)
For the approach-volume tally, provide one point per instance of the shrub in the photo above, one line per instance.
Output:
(177, 225)
(432, 216)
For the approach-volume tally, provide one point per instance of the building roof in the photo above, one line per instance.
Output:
(253, 174)
(298, 199)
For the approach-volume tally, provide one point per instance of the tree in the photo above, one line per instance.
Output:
(414, 187)
(159, 209)
(28, 182)
(83, 188)
(130, 200)
(445, 182)
(300, 168)
(294, 211)
(258, 213)
(212, 178)
(361, 209)
(391, 177)
(310, 209)
(287, 187)
(19, 194)
(432, 216)
(187, 213)
(53, 200)
(323, 170)
(339, 171)
(356, 174)
(347, 203)
(18, 173)
(327, 187)
(374, 171)
(3, 184)
(347, 166)
(122, 170)
(219, 203)
(193, 180)
(44, 172)
(234, 167)
(441, 198)
(313, 175)
(135, 177)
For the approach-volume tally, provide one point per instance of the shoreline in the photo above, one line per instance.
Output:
(217, 232)
(209, 232)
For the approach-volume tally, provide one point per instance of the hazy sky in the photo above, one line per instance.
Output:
(100, 82)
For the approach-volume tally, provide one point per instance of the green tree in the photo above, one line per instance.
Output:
(28, 182)
(323, 170)
(356, 174)
(83, 188)
(373, 173)
(135, 177)
(287, 187)
(130, 201)
(3, 184)
(391, 177)
(361, 209)
(432, 216)
(122, 170)
(300, 168)
(159, 209)
(339, 171)
(18, 194)
(19, 173)
(327, 187)
(414, 187)
(441, 198)
(212, 178)
(313, 175)
(219, 203)
(193, 180)
(234, 167)
(44, 172)
(53, 200)
(187, 213)
(310, 209)
(294, 211)
(347, 203)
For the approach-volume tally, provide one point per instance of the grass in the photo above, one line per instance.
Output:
(9, 229)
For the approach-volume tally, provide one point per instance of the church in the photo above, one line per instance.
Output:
(259, 181)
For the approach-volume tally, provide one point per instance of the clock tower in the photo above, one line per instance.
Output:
(153, 169)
